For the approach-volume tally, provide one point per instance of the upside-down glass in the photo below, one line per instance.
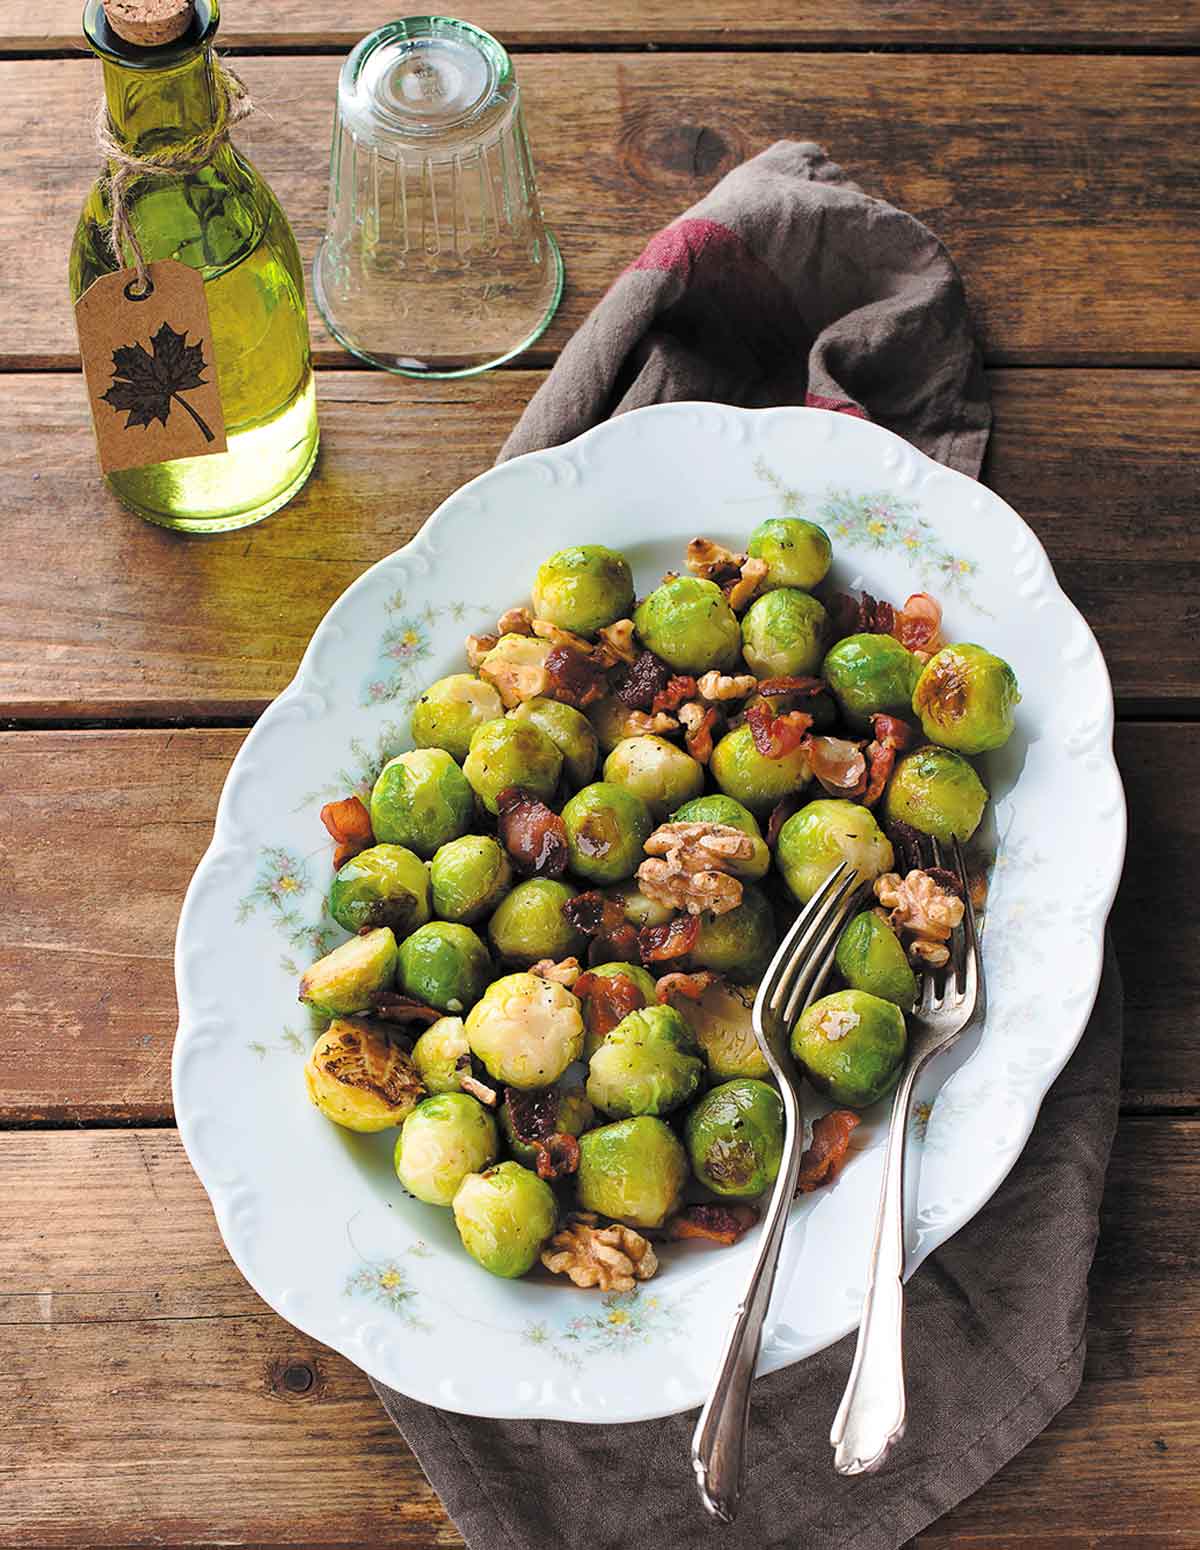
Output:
(436, 261)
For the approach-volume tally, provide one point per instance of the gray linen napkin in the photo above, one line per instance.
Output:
(787, 284)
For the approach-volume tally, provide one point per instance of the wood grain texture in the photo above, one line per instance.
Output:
(119, 619)
(148, 1397)
(100, 832)
(1053, 181)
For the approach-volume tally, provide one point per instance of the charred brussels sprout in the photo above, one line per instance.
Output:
(359, 1079)
(632, 1171)
(530, 924)
(437, 1052)
(386, 885)
(503, 1216)
(783, 633)
(734, 1137)
(717, 808)
(421, 800)
(870, 673)
(592, 1023)
(446, 965)
(345, 979)
(655, 770)
(572, 1115)
(966, 699)
(720, 1023)
(690, 625)
(870, 957)
(443, 1140)
(571, 733)
(822, 834)
(851, 1045)
(607, 825)
(936, 791)
(510, 752)
(526, 1030)
(741, 941)
(646, 1065)
(797, 553)
(449, 711)
(583, 588)
(752, 779)
(470, 876)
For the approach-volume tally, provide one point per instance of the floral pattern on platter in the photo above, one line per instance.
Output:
(357, 777)
(281, 885)
(405, 644)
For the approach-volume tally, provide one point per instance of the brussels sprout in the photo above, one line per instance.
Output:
(526, 1030)
(966, 699)
(851, 1045)
(739, 942)
(383, 886)
(583, 588)
(450, 710)
(647, 1065)
(443, 1140)
(936, 791)
(470, 876)
(632, 1171)
(870, 673)
(721, 1025)
(752, 779)
(530, 924)
(421, 800)
(571, 733)
(822, 834)
(609, 718)
(573, 1114)
(639, 910)
(359, 1079)
(869, 957)
(503, 1216)
(722, 809)
(511, 753)
(437, 1052)
(345, 979)
(593, 1037)
(783, 632)
(444, 964)
(734, 1137)
(688, 623)
(798, 553)
(607, 825)
(655, 770)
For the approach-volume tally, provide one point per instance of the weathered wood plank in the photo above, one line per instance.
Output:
(1074, 223)
(117, 618)
(149, 1397)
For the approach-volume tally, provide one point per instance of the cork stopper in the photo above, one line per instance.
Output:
(149, 23)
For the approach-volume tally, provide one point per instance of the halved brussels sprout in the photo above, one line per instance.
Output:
(571, 733)
(734, 1137)
(607, 825)
(870, 957)
(783, 633)
(503, 1216)
(851, 1045)
(449, 711)
(823, 833)
(345, 979)
(385, 885)
(509, 752)
(632, 1171)
(437, 1052)
(870, 673)
(798, 553)
(721, 1025)
(741, 941)
(646, 1065)
(639, 910)
(583, 588)
(593, 1037)
(469, 876)
(421, 800)
(530, 924)
(359, 1079)
(446, 965)
(752, 779)
(526, 1030)
(655, 770)
(967, 699)
(690, 625)
(572, 1116)
(936, 791)
(717, 808)
(442, 1140)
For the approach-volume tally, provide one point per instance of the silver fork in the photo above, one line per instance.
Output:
(872, 1414)
(793, 979)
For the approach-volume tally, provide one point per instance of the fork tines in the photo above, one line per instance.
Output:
(803, 955)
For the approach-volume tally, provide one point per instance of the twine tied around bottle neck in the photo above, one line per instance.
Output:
(233, 104)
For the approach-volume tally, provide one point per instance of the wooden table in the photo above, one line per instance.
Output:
(146, 1394)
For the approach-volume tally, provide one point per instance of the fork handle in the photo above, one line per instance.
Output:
(871, 1416)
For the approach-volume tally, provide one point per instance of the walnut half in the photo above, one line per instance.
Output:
(612, 1258)
(688, 866)
(921, 912)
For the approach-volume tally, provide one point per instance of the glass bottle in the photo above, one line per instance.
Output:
(223, 221)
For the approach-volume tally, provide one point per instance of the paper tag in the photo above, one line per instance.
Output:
(148, 364)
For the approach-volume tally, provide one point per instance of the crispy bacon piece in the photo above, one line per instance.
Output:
(533, 1115)
(892, 736)
(603, 919)
(801, 687)
(699, 723)
(609, 997)
(349, 823)
(679, 688)
(776, 736)
(574, 678)
(863, 615)
(532, 833)
(780, 814)
(557, 1156)
(918, 625)
(675, 939)
(839, 765)
(647, 678)
(693, 986)
(394, 1008)
(719, 1224)
(822, 1161)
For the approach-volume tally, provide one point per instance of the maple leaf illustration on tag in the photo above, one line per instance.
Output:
(145, 384)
